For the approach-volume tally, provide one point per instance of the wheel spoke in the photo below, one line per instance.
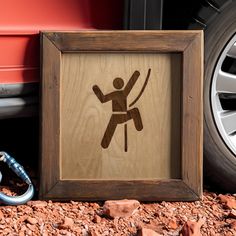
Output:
(223, 94)
(226, 83)
(218, 103)
(232, 51)
(229, 121)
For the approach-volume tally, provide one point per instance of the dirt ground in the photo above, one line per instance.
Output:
(214, 215)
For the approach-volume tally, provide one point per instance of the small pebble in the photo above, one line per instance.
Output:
(32, 220)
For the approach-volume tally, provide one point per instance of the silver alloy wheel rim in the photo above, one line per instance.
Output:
(224, 83)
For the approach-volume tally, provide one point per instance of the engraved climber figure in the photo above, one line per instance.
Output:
(121, 114)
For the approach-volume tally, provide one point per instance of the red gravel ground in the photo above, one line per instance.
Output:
(214, 215)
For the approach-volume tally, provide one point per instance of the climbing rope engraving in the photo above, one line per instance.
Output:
(121, 114)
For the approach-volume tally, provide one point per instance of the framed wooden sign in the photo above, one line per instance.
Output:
(122, 115)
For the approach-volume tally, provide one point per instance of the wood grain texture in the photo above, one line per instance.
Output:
(170, 190)
(153, 152)
(159, 41)
(58, 95)
(50, 116)
(192, 128)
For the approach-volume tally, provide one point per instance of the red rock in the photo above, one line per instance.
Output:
(233, 225)
(31, 227)
(195, 211)
(214, 207)
(68, 223)
(28, 232)
(228, 201)
(223, 198)
(23, 228)
(85, 232)
(7, 231)
(7, 191)
(212, 232)
(120, 208)
(94, 205)
(147, 232)
(73, 202)
(37, 203)
(1, 215)
(192, 228)
(231, 204)
(15, 227)
(64, 232)
(227, 234)
(94, 233)
(23, 218)
(32, 220)
(218, 224)
(232, 214)
(172, 224)
(164, 220)
(97, 219)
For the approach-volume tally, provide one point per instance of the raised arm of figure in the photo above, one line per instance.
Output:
(131, 82)
(103, 98)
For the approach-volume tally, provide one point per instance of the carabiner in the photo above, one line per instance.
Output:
(18, 170)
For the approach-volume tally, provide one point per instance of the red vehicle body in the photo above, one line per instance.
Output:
(21, 22)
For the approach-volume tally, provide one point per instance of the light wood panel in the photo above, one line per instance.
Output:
(58, 179)
(154, 152)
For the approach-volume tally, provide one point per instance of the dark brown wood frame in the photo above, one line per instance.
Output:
(190, 45)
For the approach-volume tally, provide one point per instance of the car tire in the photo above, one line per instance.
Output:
(218, 20)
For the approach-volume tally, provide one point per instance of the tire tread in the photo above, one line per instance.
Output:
(208, 12)
(220, 4)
